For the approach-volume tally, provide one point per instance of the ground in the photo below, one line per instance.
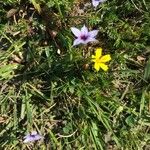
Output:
(50, 86)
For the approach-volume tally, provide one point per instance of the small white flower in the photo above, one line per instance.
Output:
(83, 36)
(96, 2)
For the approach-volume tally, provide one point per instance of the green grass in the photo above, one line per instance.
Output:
(50, 86)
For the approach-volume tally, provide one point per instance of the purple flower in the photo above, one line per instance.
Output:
(83, 36)
(96, 2)
(32, 137)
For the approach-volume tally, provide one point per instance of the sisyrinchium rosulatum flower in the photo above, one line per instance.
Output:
(33, 136)
(95, 3)
(99, 60)
(83, 36)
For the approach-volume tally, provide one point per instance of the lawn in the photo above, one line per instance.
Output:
(74, 75)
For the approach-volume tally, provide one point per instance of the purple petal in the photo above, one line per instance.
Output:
(32, 137)
(96, 2)
(91, 39)
(84, 30)
(93, 33)
(76, 31)
(29, 139)
(38, 137)
(77, 42)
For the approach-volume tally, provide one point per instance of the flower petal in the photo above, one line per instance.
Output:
(103, 66)
(105, 58)
(32, 138)
(84, 30)
(95, 3)
(77, 42)
(38, 137)
(98, 53)
(97, 66)
(93, 56)
(29, 139)
(93, 33)
(90, 39)
(76, 31)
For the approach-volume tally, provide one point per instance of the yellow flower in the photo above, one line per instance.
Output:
(100, 60)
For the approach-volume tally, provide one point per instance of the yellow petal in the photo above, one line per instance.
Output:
(103, 66)
(105, 58)
(97, 66)
(93, 56)
(98, 53)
